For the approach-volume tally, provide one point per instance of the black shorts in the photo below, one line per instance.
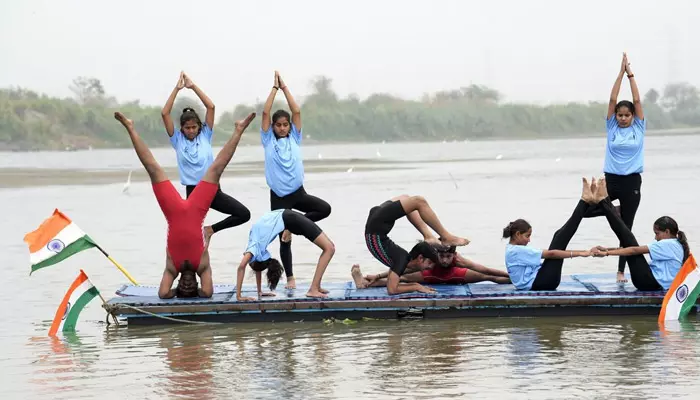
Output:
(298, 224)
(381, 218)
(380, 222)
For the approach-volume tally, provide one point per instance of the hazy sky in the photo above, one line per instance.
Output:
(541, 51)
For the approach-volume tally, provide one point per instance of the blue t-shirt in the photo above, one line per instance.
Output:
(624, 151)
(522, 263)
(284, 169)
(193, 156)
(666, 260)
(262, 233)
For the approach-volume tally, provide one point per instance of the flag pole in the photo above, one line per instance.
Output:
(116, 264)
(103, 300)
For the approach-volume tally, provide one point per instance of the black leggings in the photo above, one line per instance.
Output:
(627, 189)
(640, 272)
(298, 224)
(225, 204)
(314, 208)
(549, 275)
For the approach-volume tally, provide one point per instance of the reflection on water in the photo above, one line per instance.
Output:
(545, 357)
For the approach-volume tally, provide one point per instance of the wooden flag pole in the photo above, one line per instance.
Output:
(116, 264)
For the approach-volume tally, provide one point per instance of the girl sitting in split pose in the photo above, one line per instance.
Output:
(668, 252)
(523, 262)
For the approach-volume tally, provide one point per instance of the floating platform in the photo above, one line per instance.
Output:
(591, 294)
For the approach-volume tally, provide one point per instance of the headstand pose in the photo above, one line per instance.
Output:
(424, 255)
(525, 268)
(668, 252)
(284, 169)
(192, 144)
(186, 243)
(264, 232)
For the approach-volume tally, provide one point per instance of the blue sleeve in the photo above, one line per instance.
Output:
(661, 250)
(640, 125)
(207, 132)
(296, 134)
(266, 136)
(610, 125)
(531, 255)
(175, 138)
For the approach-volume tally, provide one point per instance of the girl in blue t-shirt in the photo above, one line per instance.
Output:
(284, 170)
(624, 153)
(192, 144)
(525, 268)
(668, 252)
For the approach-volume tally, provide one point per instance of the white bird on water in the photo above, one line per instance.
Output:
(127, 184)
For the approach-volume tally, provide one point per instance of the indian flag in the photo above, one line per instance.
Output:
(683, 293)
(78, 296)
(56, 239)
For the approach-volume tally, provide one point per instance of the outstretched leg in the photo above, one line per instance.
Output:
(549, 275)
(154, 170)
(427, 215)
(640, 272)
(222, 159)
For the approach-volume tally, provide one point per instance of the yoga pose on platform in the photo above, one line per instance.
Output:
(187, 244)
(624, 153)
(284, 170)
(192, 144)
(668, 252)
(524, 263)
(263, 232)
(424, 255)
(453, 269)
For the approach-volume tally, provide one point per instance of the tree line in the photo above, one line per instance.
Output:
(34, 121)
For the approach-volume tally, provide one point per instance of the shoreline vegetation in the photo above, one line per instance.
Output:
(30, 121)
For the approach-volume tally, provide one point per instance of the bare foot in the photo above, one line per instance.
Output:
(452, 240)
(587, 192)
(621, 277)
(128, 124)
(208, 232)
(291, 283)
(601, 191)
(241, 125)
(286, 236)
(322, 290)
(357, 277)
(316, 293)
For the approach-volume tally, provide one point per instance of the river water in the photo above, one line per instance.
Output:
(475, 187)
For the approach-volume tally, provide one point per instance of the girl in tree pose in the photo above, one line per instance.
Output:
(284, 170)
(192, 144)
(624, 153)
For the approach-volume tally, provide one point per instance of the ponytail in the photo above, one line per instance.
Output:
(684, 242)
(519, 225)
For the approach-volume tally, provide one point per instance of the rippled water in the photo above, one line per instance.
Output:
(591, 357)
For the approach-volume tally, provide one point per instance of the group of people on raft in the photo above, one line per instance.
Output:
(434, 259)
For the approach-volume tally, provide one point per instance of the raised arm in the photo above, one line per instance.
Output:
(241, 274)
(267, 109)
(638, 112)
(293, 106)
(616, 87)
(560, 254)
(208, 104)
(165, 113)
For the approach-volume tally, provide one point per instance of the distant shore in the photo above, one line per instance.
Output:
(29, 177)
(253, 139)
